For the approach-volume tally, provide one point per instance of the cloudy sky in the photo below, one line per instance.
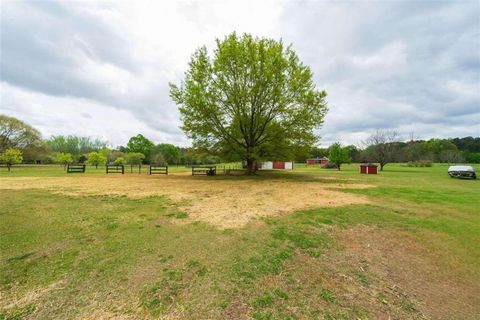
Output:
(102, 68)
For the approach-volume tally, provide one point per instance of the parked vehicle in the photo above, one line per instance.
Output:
(462, 172)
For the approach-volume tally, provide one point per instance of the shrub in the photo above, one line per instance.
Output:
(119, 161)
(420, 163)
(330, 166)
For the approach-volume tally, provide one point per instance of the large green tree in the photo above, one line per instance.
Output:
(140, 144)
(15, 133)
(253, 99)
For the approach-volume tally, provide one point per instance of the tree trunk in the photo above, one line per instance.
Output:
(96, 166)
(381, 166)
(8, 166)
(338, 167)
(250, 166)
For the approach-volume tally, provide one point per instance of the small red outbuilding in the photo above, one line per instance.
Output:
(322, 161)
(368, 168)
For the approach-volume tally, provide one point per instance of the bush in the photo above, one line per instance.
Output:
(329, 166)
(420, 163)
(119, 161)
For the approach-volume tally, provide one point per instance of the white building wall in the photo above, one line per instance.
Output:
(267, 165)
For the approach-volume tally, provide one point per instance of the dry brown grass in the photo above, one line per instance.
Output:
(220, 202)
(405, 269)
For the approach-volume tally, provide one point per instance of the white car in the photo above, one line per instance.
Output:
(462, 172)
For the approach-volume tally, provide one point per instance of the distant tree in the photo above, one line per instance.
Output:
(354, 153)
(467, 144)
(451, 156)
(140, 144)
(134, 158)
(119, 161)
(158, 159)
(15, 133)
(382, 147)
(253, 99)
(170, 152)
(96, 158)
(37, 151)
(338, 155)
(64, 158)
(11, 156)
(82, 158)
(472, 157)
(113, 155)
(75, 145)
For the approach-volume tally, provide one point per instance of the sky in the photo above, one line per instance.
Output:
(102, 69)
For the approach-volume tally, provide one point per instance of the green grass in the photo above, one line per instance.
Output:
(144, 258)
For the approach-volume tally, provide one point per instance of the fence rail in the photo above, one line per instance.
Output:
(75, 168)
(158, 169)
(109, 168)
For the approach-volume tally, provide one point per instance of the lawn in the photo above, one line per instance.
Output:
(307, 244)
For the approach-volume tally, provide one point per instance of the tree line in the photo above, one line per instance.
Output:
(385, 147)
(21, 143)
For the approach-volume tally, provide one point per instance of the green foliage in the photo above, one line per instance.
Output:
(472, 157)
(158, 159)
(338, 155)
(63, 158)
(170, 153)
(15, 133)
(96, 158)
(119, 161)
(140, 144)
(253, 99)
(75, 145)
(11, 156)
(134, 158)
(420, 163)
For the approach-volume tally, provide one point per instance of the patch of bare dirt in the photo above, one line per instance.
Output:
(406, 278)
(379, 274)
(223, 203)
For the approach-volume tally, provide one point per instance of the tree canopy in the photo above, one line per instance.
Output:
(169, 152)
(75, 145)
(140, 144)
(64, 158)
(339, 155)
(382, 147)
(253, 99)
(15, 133)
(11, 156)
(96, 158)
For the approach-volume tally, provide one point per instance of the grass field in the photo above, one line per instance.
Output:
(307, 244)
